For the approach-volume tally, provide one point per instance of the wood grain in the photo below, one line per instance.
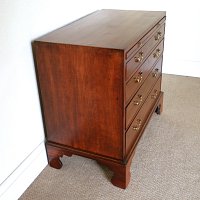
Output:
(141, 95)
(82, 93)
(132, 86)
(131, 134)
(107, 29)
(85, 96)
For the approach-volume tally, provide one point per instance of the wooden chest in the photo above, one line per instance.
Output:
(99, 80)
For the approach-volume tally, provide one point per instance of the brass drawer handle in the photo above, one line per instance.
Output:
(139, 78)
(137, 127)
(158, 36)
(137, 102)
(140, 57)
(157, 53)
(155, 73)
(156, 92)
(140, 97)
(154, 96)
(140, 44)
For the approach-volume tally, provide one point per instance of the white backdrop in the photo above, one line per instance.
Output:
(21, 21)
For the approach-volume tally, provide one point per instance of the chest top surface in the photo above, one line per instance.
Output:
(115, 29)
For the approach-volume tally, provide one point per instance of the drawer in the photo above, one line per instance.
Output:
(139, 57)
(140, 119)
(141, 95)
(157, 37)
(141, 74)
(144, 39)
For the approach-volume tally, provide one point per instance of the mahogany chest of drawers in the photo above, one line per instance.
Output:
(99, 80)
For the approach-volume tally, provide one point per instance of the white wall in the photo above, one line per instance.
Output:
(21, 130)
(182, 41)
(182, 44)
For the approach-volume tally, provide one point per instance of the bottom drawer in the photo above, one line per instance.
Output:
(141, 117)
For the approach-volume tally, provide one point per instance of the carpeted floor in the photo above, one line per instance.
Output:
(166, 165)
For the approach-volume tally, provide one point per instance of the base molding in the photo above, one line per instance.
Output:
(15, 185)
(120, 168)
(121, 177)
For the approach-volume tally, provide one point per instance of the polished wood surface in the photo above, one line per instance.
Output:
(76, 112)
(107, 29)
(143, 52)
(142, 72)
(90, 108)
(143, 92)
(144, 39)
(141, 117)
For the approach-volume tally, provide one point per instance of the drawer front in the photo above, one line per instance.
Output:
(143, 92)
(139, 57)
(157, 37)
(139, 121)
(141, 74)
(140, 43)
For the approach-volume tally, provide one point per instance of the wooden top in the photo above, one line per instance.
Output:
(115, 29)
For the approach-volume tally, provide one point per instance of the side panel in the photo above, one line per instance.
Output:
(82, 96)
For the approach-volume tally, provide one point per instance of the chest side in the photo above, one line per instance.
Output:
(82, 95)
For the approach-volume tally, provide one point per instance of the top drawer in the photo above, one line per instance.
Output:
(144, 51)
(143, 40)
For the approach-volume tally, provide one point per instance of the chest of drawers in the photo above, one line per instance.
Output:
(99, 80)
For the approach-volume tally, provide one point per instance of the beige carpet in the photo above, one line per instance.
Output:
(166, 164)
